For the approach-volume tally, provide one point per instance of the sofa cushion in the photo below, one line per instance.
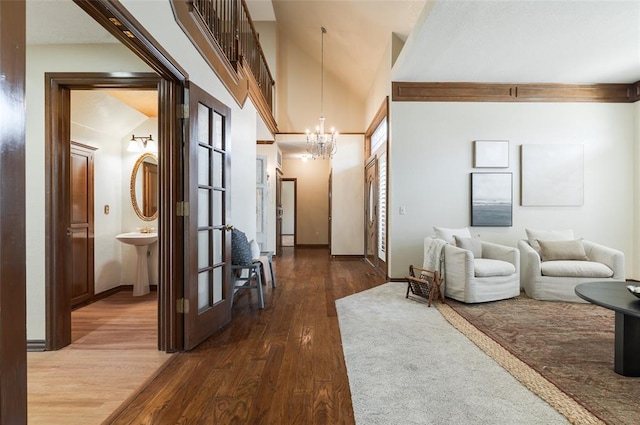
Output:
(485, 267)
(448, 234)
(533, 236)
(470, 244)
(562, 250)
(575, 269)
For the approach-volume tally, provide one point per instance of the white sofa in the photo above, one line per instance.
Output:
(556, 279)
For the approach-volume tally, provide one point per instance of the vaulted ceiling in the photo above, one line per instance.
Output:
(563, 41)
(560, 41)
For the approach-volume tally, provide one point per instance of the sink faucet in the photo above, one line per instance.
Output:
(146, 229)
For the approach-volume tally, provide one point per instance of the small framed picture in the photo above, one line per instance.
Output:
(491, 154)
(491, 199)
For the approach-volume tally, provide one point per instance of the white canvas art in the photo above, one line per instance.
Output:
(491, 154)
(552, 175)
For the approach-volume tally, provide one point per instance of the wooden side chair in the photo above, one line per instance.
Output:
(426, 284)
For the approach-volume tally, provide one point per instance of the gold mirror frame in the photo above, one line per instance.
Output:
(132, 187)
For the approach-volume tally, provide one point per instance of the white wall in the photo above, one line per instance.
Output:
(347, 195)
(431, 158)
(130, 220)
(41, 59)
(243, 169)
(298, 94)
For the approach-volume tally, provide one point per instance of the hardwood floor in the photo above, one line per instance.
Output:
(114, 352)
(280, 365)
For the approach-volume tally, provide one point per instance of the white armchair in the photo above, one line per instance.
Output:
(556, 278)
(495, 275)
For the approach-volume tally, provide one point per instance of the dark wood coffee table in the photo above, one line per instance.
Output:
(616, 297)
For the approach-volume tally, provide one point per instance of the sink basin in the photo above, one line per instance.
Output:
(137, 239)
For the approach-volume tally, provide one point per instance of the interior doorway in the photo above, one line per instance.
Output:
(60, 242)
(289, 214)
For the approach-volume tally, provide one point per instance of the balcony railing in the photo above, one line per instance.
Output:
(230, 25)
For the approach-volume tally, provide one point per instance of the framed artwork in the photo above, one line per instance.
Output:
(491, 154)
(492, 199)
(552, 175)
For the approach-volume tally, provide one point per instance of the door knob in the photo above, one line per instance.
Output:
(228, 227)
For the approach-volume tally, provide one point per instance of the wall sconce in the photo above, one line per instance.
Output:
(142, 143)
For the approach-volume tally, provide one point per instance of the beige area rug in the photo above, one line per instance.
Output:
(407, 365)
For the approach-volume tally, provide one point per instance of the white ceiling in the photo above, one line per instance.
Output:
(62, 22)
(537, 41)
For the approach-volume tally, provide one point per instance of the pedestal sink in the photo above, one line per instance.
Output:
(141, 241)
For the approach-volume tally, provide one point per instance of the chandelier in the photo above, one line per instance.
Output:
(319, 143)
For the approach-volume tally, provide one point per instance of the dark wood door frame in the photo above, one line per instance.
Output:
(57, 171)
(169, 82)
(278, 212)
(295, 207)
(13, 331)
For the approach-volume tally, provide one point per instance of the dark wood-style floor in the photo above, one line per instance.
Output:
(280, 365)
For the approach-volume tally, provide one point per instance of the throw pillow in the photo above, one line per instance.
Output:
(533, 236)
(563, 250)
(240, 249)
(470, 244)
(255, 249)
(448, 234)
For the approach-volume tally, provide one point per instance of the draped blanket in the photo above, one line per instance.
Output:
(434, 254)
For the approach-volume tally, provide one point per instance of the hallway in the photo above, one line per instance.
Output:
(283, 364)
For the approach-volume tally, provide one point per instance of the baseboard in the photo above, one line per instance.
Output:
(300, 245)
(35, 345)
(396, 279)
(108, 293)
(347, 257)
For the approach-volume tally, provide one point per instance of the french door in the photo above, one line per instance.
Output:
(208, 291)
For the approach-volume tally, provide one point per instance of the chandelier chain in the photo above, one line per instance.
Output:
(324, 31)
(319, 143)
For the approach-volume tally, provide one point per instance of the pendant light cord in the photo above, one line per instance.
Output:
(324, 31)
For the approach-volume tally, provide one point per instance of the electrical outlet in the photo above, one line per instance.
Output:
(403, 210)
(106, 210)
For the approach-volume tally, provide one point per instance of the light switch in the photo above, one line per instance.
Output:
(403, 210)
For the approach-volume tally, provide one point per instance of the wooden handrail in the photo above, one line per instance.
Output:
(230, 25)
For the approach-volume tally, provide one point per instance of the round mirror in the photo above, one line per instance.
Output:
(144, 187)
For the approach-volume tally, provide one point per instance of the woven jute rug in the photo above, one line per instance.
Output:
(563, 352)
